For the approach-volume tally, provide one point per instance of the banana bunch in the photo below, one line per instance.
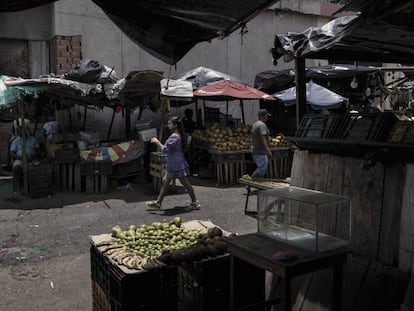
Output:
(120, 254)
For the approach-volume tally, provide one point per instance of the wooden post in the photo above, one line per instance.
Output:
(300, 79)
(24, 154)
(84, 116)
(125, 104)
(110, 125)
(242, 111)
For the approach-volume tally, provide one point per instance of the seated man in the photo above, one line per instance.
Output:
(32, 148)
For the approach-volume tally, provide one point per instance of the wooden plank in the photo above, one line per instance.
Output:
(314, 177)
(337, 221)
(388, 249)
(77, 178)
(64, 177)
(90, 183)
(298, 168)
(366, 199)
(70, 176)
(407, 222)
(103, 184)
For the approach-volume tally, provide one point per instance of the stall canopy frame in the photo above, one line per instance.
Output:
(383, 31)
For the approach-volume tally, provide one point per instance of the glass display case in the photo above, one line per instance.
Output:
(309, 219)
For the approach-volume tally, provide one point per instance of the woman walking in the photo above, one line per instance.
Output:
(176, 166)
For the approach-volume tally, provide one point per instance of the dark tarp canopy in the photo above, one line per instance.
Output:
(382, 32)
(169, 29)
(202, 76)
(19, 5)
(272, 81)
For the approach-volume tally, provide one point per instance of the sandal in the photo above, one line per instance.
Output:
(154, 204)
(194, 205)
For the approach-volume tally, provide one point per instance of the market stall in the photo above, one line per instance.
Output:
(367, 154)
(229, 150)
(170, 265)
(82, 159)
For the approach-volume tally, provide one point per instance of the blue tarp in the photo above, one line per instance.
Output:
(11, 94)
(317, 96)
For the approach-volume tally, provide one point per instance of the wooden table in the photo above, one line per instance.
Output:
(258, 250)
(260, 184)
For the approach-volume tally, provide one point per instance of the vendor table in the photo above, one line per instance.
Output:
(229, 166)
(259, 250)
(260, 184)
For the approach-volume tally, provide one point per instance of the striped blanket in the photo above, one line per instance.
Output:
(119, 153)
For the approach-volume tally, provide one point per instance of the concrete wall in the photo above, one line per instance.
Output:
(34, 26)
(241, 56)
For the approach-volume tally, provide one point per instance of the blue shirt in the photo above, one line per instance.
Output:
(32, 145)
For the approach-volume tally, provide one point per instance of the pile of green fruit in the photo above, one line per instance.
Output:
(157, 238)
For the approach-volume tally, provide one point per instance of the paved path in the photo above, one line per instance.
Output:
(44, 243)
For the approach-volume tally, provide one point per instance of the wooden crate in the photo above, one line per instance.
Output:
(68, 176)
(228, 167)
(157, 171)
(94, 176)
(280, 164)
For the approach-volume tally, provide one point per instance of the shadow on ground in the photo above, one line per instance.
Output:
(135, 192)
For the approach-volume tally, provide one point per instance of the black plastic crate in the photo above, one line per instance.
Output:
(42, 171)
(367, 126)
(40, 180)
(40, 191)
(157, 157)
(100, 300)
(100, 269)
(403, 132)
(141, 291)
(205, 285)
(318, 126)
(146, 291)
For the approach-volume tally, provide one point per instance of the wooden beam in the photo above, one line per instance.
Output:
(300, 80)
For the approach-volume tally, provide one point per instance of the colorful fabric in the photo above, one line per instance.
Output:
(123, 152)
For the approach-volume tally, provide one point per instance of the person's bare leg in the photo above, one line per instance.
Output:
(187, 185)
(164, 188)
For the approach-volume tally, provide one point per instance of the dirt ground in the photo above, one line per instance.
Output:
(44, 242)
